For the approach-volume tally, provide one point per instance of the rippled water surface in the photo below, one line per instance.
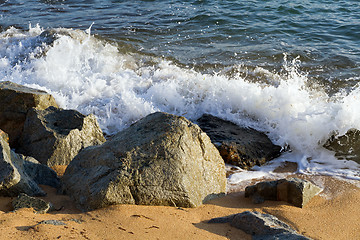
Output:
(324, 34)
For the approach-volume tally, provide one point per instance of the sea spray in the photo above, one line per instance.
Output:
(91, 75)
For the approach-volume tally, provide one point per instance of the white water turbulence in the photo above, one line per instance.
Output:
(88, 74)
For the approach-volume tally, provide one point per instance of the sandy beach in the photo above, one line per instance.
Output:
(152, 102)
(333, 214)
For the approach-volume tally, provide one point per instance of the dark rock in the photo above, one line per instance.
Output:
(281, 236)
(40, 173)
(293, 190)
(346, 146)
(243, 147)
(296, 191)
(48, 36)
(25, 201)
(13, 177)
(55, 136)
(162, 159)
(256, 223)
(262, 191)
(16, 101)
(257, 199)
(261, 226)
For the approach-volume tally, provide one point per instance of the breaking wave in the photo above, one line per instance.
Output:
(92, 75)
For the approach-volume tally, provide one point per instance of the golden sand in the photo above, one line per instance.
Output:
(334, 214)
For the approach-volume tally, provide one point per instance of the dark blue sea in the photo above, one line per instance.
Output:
(288, 68)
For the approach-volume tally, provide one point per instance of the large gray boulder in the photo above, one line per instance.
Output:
(13, 178)
(239, 146)
(16, 101)
(296, 191)
(162, 159)
(261, 226)
(54, 136)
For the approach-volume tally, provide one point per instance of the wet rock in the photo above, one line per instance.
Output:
(260, 226)
(243, 147)
(287, 167)
(16, 101)
(25, 201)
(162, 159)
(293, 190)
(13, 177)
(55, 136)
(48, 36)
(346, 146)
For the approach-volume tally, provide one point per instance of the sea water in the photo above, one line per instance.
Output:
(288, 68)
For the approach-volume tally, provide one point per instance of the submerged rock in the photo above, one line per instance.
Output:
(243, 147)
(293, 190)
(261, 226)
(162, 159)
(25, 201)
(55, 136)
(16, 101)
(13, 177)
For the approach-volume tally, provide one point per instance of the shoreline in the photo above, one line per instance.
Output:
(330, 215)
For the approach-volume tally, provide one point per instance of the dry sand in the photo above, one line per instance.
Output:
(334, 214)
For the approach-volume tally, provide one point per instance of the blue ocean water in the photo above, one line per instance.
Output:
(205, 34)
(288, 68)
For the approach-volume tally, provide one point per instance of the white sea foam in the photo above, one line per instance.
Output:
(90, 75)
